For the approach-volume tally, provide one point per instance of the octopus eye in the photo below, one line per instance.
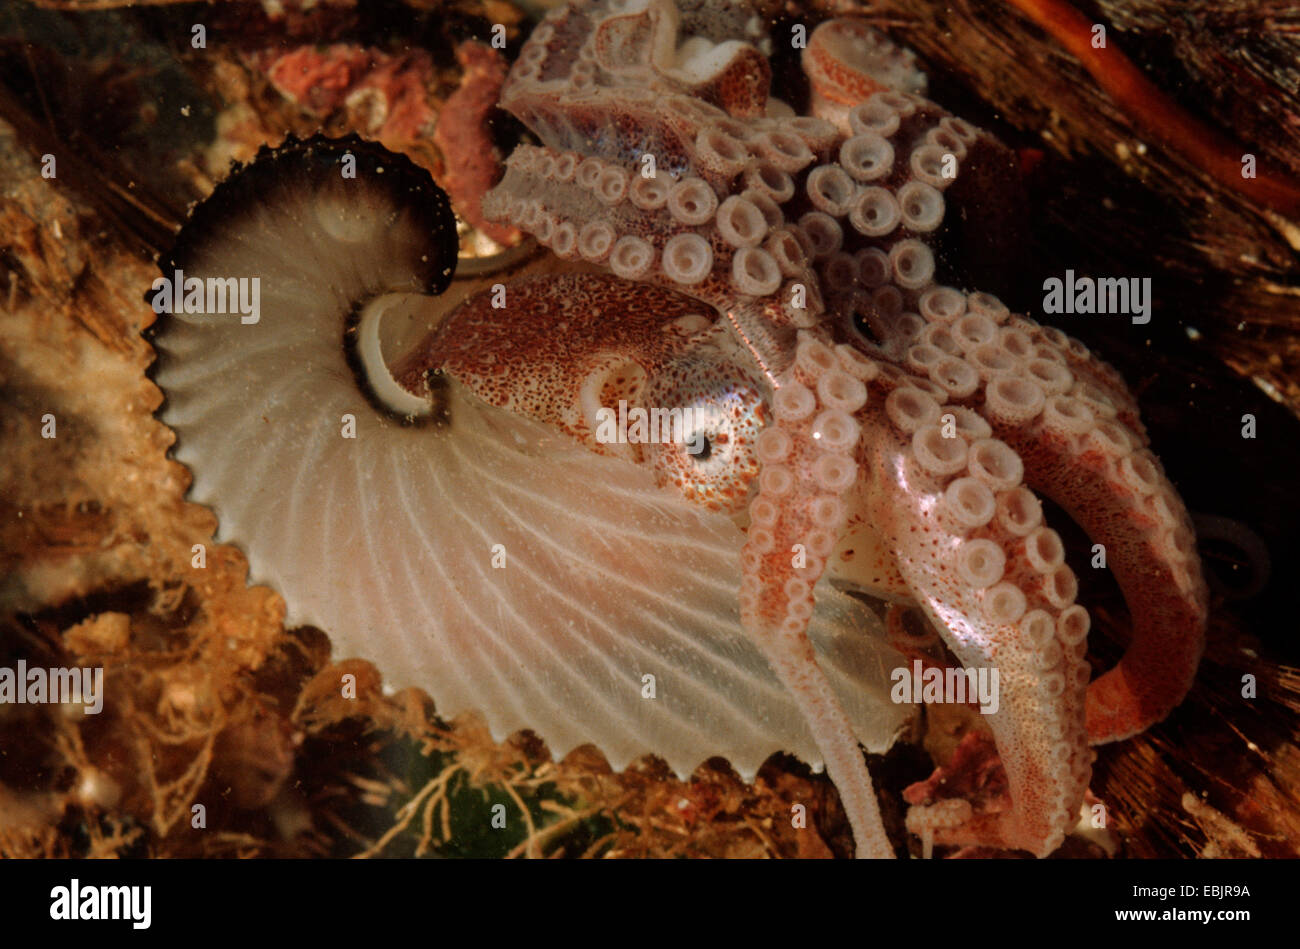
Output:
(715, 463)
(707, 441)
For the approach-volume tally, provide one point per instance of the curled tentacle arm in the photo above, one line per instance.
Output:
(1075, 431)
(949, 499)
(1079, 452)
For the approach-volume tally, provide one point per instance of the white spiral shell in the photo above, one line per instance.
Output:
(386, 541)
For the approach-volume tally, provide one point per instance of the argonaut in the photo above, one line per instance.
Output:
(792, 276)
(473, 551)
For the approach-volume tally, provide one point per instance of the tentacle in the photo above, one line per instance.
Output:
(758, 218)
(950, 500)
(1117, 491)
(846, 61)
(1075, 428)
(807, 456)
(637, 52)
(739, 254)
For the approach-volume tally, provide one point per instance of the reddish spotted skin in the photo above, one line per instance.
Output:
(591, 341)
(838, 51)
(875, 424)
